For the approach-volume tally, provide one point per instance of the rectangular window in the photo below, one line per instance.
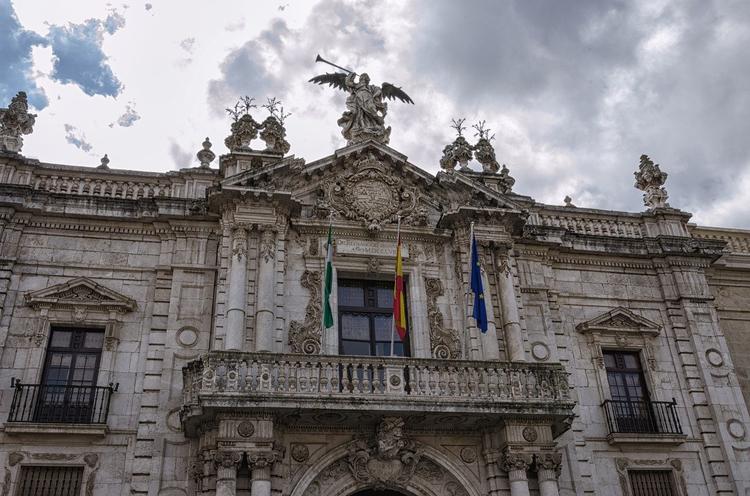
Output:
(651, 483)
(366, 319)
(68, 391)
(50, 481)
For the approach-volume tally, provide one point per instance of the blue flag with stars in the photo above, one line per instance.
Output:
(480, 310)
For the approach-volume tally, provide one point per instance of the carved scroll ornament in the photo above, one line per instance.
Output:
(443, 342)
(305, 337)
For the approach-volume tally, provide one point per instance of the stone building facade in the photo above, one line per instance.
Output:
(161, 333)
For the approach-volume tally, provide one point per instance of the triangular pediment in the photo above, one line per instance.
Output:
(80, 291)
(619, 320)
(375, 184)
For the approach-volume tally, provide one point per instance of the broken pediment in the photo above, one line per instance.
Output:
(372, 184)
(79, 292)
(619, 320)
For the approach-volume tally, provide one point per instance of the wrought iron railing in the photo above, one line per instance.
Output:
(642, 417)
(60, 404)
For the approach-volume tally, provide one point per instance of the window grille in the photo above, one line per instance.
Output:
(50, 481)
(652, 483)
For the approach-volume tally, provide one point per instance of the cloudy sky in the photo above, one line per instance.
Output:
(574, 92)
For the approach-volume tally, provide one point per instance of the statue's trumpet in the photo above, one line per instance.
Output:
(321, 59)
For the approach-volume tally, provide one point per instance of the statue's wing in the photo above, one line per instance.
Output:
(393, 92)
(336, 79)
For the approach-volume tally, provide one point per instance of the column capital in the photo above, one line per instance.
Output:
(548, 465)
(263, 459)
(227, 459)
(514, 462)
(239, 240)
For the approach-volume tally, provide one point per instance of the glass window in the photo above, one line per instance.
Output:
(366, 319)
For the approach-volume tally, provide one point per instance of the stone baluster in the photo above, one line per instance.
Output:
(234, 337)
(509, 306)
(265, 289)
(260, 471)
(227, 463)
(548, 466)
(517, 465)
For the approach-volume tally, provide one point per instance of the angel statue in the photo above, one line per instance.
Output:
(365, 109)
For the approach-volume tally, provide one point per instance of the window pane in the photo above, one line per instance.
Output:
(383, 326)
(355, 348)
(609, 360)
(93, 340)
(351, 296)
(60, 339)
(385, 297)
(631, 361)
(355, 327)
(384, 349)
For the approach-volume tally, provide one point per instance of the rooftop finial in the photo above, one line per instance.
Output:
(649, 178)
(15, 120)
(459, 152)
(205, 155)
(244, 128)
(484, 152)
(273, 131)
(104, 163)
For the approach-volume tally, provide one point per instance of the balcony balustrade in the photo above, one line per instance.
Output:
(228, 381)
(642, 417)
(39, 403)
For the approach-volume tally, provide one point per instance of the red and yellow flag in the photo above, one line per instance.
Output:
(399, 304)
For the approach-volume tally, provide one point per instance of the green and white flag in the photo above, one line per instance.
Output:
(327, 313)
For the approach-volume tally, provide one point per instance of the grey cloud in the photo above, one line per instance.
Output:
(586, 97)
(187, 45)
(78, 57)
(148, 6)
(181, 157)
(15, 59)
(76, 138)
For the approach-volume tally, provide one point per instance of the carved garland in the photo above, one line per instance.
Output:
(443, 342)
(306, 337)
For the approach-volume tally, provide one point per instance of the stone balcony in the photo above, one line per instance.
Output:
(344, 390)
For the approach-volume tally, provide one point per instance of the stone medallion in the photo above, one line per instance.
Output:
(530, 434)
(300, 453)
(468, 455)
(245, 428)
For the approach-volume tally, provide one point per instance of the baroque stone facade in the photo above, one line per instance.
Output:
(207, 286)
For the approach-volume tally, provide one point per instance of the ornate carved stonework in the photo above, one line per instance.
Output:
(549, 461)
(267, 246)
(370, 195)
(444, 343)
(239, 243)
(227, 459)
(391, 460)
(306, 337)
(15, 121)
(245, 428)
(530, 434)
(649, 178)
(300, 453)
(513, 461)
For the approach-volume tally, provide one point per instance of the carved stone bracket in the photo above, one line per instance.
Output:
(306, 337)
(444, 343)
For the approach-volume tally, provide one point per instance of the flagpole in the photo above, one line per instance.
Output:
(393, 320)
(467, 330)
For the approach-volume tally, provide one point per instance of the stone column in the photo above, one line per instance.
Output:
(509, 306)
(226, 472)
(548, 467)
(517, 464)
(260, 466)
(234, 333)
(265, 289)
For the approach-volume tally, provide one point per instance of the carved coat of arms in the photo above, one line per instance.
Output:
(371, 195)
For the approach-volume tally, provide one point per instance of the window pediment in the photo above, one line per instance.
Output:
(80, 292)
(618, 321)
